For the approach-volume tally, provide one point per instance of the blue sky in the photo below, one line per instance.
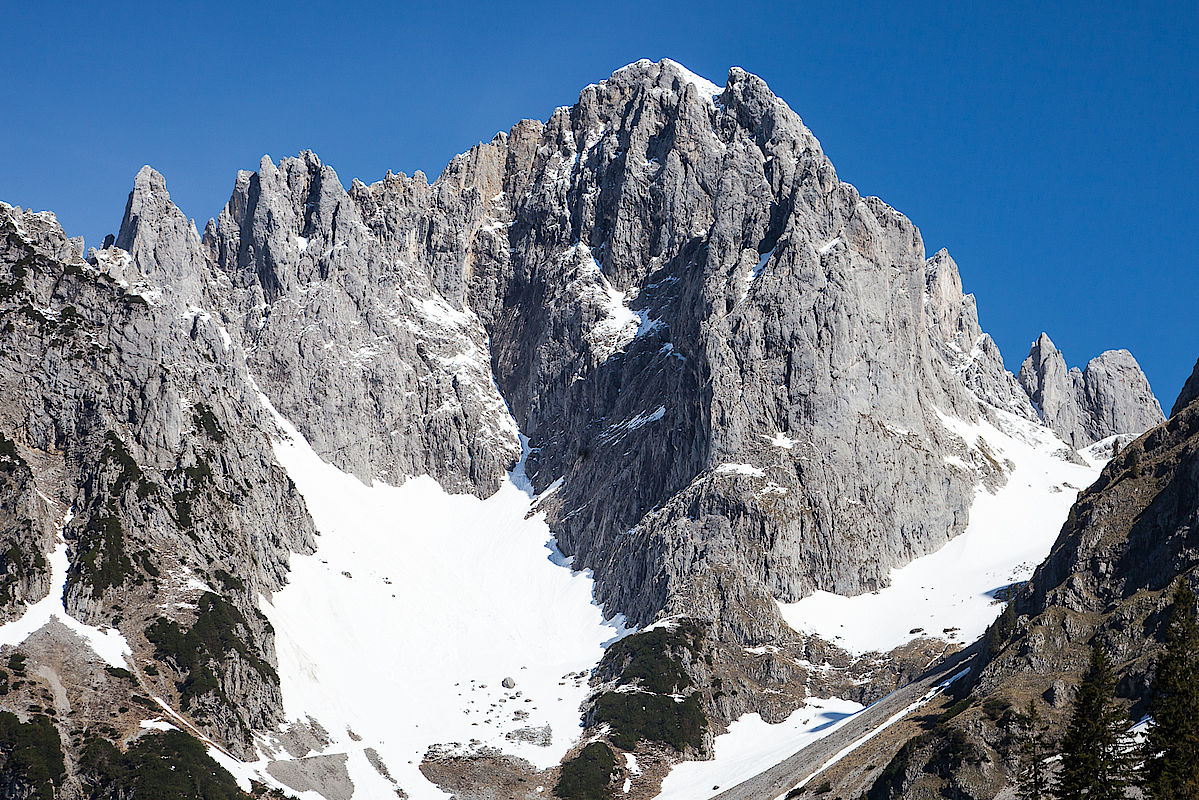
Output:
(1050, 147)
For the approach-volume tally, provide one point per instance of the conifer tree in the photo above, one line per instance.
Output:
(1171, 766)
(1032, 777)
(1096, 763)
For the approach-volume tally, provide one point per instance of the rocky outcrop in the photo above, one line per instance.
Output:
(1109, 396)
(128, 405)
(25, 534)
(346, 333)
(966, 349)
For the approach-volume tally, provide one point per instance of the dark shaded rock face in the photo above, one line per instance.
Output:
(732, 367)
(1111, 395)
(1190, 391)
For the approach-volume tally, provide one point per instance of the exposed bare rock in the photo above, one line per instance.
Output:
(1109, 396)
(347, 335)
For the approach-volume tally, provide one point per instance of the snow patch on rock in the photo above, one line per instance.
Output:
(107, 643)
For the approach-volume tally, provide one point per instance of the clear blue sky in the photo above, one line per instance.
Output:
(1050, 147)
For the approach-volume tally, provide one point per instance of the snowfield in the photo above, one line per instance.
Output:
(107, 643)
(752, 745)
(952, 591)
(397, 633)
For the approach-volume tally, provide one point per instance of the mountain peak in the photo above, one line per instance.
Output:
(1110, 395)
(1044, 344)
(149, 179)
(162, 241)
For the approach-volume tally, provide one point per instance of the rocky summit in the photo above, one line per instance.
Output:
(617, 389)
(1084, 406)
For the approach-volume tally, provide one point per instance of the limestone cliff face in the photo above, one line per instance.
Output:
(716, 344)
(1110, 395)
(733, 367)
(347, 335)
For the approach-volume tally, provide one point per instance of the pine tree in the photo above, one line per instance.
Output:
(1171, 768)
(1032, 778)
(1096, 764)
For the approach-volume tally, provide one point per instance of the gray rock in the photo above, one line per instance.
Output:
(27, 532)
(124, 399)
(966, 349)
(347, 335)
(1059, 694)
(1109, 396)
(541, 737)
(164, 245)
(328, 776)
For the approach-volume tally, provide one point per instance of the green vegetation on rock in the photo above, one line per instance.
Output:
(636, 716)
(218, 632)
(161, 766)
(206, 421)
(653, 659)
(587, 776)
(17, 565)
(32, 751)
(102, 562)
(10, 459)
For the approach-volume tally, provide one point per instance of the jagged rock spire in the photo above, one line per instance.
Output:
(1110, 395)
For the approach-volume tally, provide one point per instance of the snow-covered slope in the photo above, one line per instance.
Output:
(398, 632)
(752, 745)
(952, 593)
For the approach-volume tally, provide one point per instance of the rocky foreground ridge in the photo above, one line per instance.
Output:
(734, 368)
